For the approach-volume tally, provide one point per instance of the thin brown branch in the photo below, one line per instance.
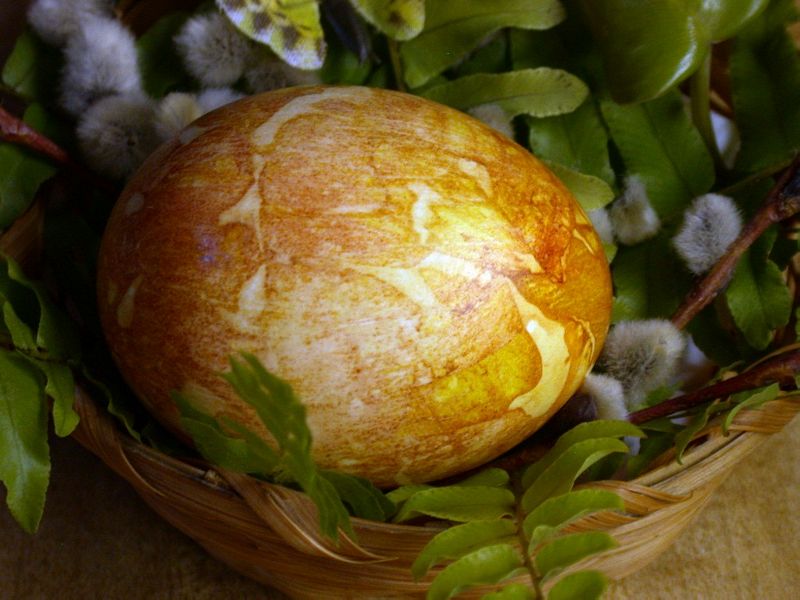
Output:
(782, 202)
(780, 368)
(16, 131)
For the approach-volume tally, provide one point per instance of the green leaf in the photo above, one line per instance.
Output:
(161, 69)
(21, 174)
(724, 19)
(291, 29)
(455, 542)
(765, 83)
(216, 445)
(659, 144)
(452, 29)
(24, 453)
(560, 476)
(580, 433)
(399, 19)
(513, 591)
(641, 291)
(757, 296)
(404, 492)
(61, 388)
(492, 477)
(648, 46)
(557, 512)
(700, 419)
(584, 585)
(364, 499)
(750, 399)
(490, 564)
(32, 68)
(21, 333)
(577, 141)
(116, 398)
(569, 549)
(541, 92)
(653, 446)
(591, 192)
(459, 503)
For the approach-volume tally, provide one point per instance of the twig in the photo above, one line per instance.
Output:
(397, 65)
(782, 202)
(16, 131)
(781, 368)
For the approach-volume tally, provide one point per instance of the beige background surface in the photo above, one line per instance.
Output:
(98, 540)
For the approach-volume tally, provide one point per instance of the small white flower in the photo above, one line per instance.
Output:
(212, 98)
(55, 21)
(213, 50)
(266, 72)
(100, 60)
(608, 395)
(495, 117)
(632, 216)
(118, 133)
(643, 356)
(602, 225)
(710, 226)
(176, 111)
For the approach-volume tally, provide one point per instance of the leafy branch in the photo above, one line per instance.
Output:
(513, 525)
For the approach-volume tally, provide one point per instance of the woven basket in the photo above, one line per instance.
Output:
(268, 532)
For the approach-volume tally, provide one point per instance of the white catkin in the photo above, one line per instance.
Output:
(266, 72)
(632, 215)
(728, 139)
(213, 51)
(643, 356)
(117, 134)
(608, 395)
(213, 98)
(602, 225)
(710, 226)
(55, 21)
(175, 111)
(495, 117)
(100, 60)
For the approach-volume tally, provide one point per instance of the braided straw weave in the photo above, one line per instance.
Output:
(269, 533)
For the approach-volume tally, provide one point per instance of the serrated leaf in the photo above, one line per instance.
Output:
(60, 387)
(541, 92)
(555, 513)
(765, 85)
(560, 476)
(459, 503)
(585, 431)
(161, 69)
(399, 19)
(757, 296)
(454, 542)
(641, 291)
(584, 585)
(492, 477)
(113, 396)
(576, 141)
(21, 333)
(291, 29)
(513, 591)
(591, 192)
(490, 564)
(452, 29)
(648, 46)
(32, 68)
(24, 453)
(364, 499)
(660, 145)
(750, 399)
(569, 549)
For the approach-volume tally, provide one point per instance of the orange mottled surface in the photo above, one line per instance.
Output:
(429, 289)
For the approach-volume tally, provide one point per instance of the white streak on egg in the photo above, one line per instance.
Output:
(451, 265)
(421, 213)
(127, 304)
(134, 204)
(252, 302)
(359, 209)
(477, 172)
(246, 212)
(407, 281)
(581, 238)
(548, 335)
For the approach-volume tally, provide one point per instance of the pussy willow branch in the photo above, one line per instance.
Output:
(782, 202)
(780, 368)
(16, 131)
